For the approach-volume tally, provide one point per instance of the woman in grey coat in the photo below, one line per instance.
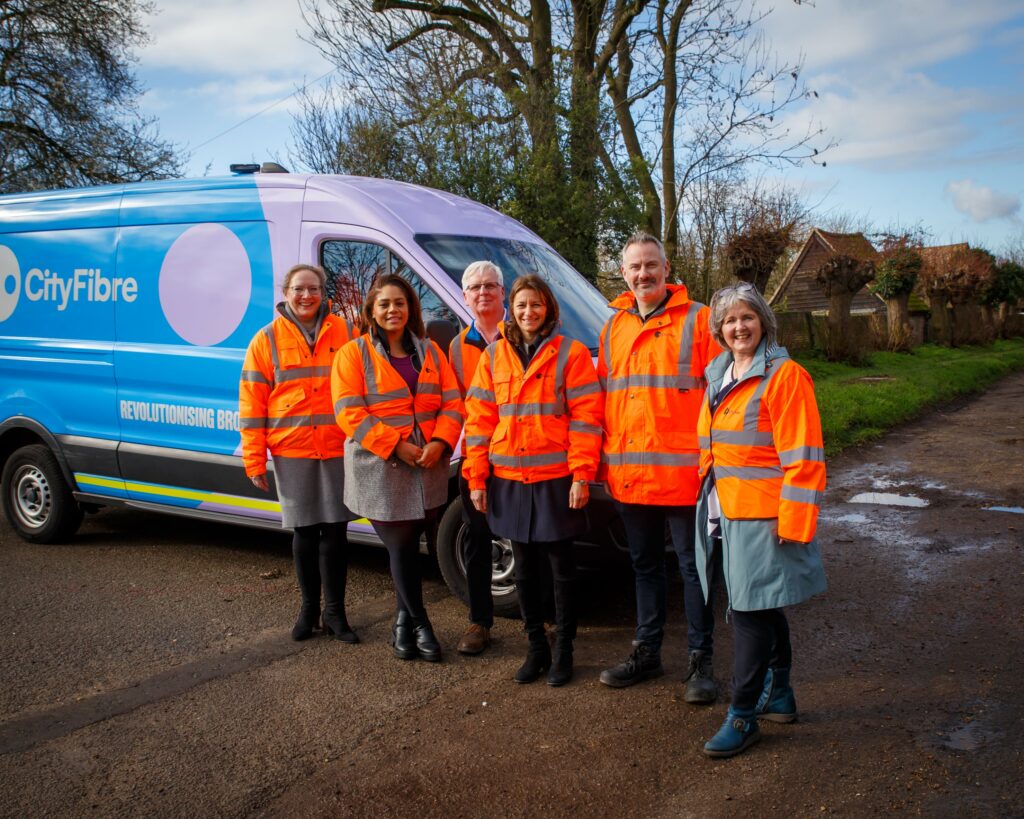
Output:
(762, 468)
(397, 400)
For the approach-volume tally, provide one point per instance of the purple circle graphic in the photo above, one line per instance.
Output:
(205, 283)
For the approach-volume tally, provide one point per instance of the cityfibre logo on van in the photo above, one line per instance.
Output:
(83, 284)
(10, 282)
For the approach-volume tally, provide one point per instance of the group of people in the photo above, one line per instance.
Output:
(700, 426)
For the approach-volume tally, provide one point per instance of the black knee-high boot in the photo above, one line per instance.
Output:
(531, 605)
(563, 571)
(305, 555)
(334, 573)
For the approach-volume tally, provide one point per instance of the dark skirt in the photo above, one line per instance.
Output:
(534, 512)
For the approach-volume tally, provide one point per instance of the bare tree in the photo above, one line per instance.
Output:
(843, 275)
(68, 111)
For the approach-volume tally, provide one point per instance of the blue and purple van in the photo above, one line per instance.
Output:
(126, 310)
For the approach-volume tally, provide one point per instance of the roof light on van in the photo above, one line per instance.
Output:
(242, 168)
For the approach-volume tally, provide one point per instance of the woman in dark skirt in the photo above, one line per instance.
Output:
(533, 442)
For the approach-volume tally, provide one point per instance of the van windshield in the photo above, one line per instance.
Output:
(583, 309)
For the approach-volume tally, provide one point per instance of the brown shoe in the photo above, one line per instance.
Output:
(474, 640)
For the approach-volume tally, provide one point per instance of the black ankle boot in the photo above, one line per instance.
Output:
(538, 660)
(337, 624)
(426, 643)
(402, 637)
(561, 666)
(308, 620)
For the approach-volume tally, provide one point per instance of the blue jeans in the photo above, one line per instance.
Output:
(645, 531)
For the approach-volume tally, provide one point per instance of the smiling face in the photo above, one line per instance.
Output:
(484, 294)
(529, 312)
(304, 295)
(391, 309)
(742, 330)
(645, 270)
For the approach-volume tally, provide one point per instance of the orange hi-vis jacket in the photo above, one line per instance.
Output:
(535, 424)
(653, 376)
(763, 441)
(284, 396)
(373, 403)
(464, 358)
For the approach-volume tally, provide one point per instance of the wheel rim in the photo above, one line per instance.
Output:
(502, 563)
(32, 500)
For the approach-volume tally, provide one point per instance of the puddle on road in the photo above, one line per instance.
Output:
(853, 518)
(888, 499)
(1016, 510)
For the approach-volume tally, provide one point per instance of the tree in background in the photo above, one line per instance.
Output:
(956, 281)
(843, 275)
(895, 277)
(1003, 294)
(68, 113)
(604, 109)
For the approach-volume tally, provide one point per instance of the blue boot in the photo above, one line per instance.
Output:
(777, 702)
(738, 732)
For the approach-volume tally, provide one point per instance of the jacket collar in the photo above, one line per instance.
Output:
(764, 359)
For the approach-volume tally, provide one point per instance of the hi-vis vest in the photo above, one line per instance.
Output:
(535, 424)
(284, 396)
(652, 374)
(763, 441)
(373, 403)
(464, 359)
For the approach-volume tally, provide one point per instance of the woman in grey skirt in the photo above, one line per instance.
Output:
(285, 404)
(397, 399)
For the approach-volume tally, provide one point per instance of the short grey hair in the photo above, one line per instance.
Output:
(642, 238)
(726, 298)
(482, 266)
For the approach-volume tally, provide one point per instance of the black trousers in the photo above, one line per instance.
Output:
(402, 541)
(478, 560)
(320, 554)
(762, 640)
(529, 561)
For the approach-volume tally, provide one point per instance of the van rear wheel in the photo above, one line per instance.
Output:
(452, 536)
(37, 500)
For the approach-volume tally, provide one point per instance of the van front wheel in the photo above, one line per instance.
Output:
(37, 501)
(452, 536)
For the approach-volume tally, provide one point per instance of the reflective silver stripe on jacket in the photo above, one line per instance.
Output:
(795, 493)
(650, 458)
(584, 427)
(254, 376)
(481, 394)
(748, 473)
(742, 437)
(527, 461)
(802, 453)
(268, 331)
(456, 361)
(550, 408)
(296, 373)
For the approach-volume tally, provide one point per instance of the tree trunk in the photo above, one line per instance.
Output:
(941, 325)
(840, 345)
(898, 313)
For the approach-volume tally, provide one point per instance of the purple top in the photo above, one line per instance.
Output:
(405, 369)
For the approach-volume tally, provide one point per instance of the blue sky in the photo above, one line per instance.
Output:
(924, 97)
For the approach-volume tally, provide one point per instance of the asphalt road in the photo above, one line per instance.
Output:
(146, 669)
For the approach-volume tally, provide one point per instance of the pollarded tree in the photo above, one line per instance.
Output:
(68, 112)
(895, 277)
(968, 275)
(1003, 293)
(843, 276)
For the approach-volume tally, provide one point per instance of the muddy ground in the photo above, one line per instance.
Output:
(146, 670)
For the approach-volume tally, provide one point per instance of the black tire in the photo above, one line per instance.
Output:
(37, 500)
(451, 543)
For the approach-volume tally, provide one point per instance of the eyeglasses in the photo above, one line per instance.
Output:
(306, 291)
(486, 287)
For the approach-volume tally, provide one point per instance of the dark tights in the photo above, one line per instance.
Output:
(403, 544)
(762, 640)
(529, 562)
(321, 557)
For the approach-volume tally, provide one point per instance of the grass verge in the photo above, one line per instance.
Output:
(859, 404)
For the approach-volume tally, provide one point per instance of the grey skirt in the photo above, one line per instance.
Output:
(311, 491)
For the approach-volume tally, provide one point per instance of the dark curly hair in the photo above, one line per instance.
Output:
(415, 323)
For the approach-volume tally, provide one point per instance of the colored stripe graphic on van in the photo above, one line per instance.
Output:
(179, 496)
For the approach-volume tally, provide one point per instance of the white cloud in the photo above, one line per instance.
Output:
(880, 37)
(981, 202)
(228, 37)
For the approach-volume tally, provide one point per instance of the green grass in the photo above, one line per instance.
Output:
(855, 409)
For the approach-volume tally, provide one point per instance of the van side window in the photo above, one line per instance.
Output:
(351, 268)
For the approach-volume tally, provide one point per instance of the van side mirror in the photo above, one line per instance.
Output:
(441, 332)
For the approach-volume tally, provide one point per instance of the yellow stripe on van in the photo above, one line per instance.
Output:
(180, 493)
(96, 480)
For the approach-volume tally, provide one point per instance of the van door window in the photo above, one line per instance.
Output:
(351, 268)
